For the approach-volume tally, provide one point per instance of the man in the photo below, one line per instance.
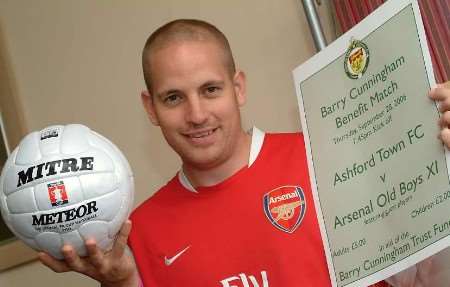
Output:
(213, 209)
(240, 210)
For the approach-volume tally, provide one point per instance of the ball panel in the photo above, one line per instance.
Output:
(74, 139)
(74, 238)
(28, 151)
(21, 201)
(3, 207)
(58, 193)
(102, 162)
(7, 180)
(23, 224)
(123, 168)
(115, 224)
(115, 151)
(109, 205)
(49, 140)
(11, 179)
(125, 176)
(105, 243)
(124, 211)
(51, 242)
(98, 184)
(97, 230)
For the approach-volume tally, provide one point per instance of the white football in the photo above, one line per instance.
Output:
(63, 185)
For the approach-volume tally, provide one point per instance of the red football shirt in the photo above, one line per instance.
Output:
(256, 228)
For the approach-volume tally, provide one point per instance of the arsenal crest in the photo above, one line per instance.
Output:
(285, 207)
(57, 193)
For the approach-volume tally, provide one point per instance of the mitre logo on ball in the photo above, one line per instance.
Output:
(63, 185)
(54, 167)
(285, 207)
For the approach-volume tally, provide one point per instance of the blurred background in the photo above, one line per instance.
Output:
(65, 61)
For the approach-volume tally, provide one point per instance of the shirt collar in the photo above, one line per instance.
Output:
(255, 148)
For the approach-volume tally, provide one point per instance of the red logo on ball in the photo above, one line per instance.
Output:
(57, 193)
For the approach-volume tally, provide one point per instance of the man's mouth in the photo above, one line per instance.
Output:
(201, 134)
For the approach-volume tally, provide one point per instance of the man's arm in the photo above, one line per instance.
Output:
(114, 268)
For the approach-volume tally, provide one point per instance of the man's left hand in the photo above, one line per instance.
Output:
(441, 94)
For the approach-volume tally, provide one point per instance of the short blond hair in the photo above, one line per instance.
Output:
(185, 30)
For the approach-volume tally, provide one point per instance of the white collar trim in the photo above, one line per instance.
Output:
(255, 148)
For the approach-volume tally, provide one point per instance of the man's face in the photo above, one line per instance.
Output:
(195, 101)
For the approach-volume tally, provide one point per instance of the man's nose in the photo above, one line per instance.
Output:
(196, 111)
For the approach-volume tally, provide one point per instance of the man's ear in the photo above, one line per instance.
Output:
(240, 87)
(147, 102)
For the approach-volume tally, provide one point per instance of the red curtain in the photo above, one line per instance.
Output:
(436, 19)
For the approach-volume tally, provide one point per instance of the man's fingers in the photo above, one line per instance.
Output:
(98, 264)
(441, 93)
(444, 135)
(96, 256)
(52, 263)
(444, 105)
(121, 240)
(444, 120)
(72, 259)
(437, 93)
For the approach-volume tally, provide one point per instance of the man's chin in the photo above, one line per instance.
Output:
(201, 161)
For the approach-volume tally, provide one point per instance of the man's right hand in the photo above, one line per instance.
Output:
(114, 268)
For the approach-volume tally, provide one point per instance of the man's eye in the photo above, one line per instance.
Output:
(212, 89)
(172, 99)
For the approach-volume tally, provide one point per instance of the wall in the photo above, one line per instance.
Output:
(79, 62)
